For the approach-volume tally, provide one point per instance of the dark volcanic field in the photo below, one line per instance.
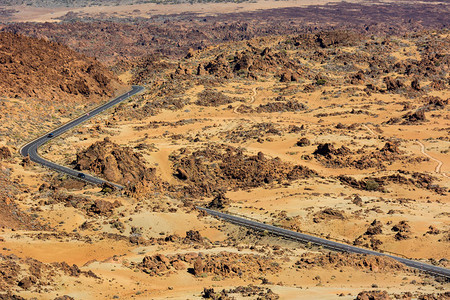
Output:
(173, 35)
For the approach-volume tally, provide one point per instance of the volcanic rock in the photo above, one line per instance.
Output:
(11, 215)
(373, 295)
(392, 84)
(193, 236)
(281, 106)
(45, 70)
(415, 84)
(390, 148)
(220, 167)
(108, 188)
(156, 265)
(357, 261)
(227, 264)
(116, 164)
(102, 207)
(4, 153)
(433, 230)
(402, 226)
(414, 117)
(219, 202)
(374, 228)
(328, 150)
(213, 98)
(303, 142)
(328, 214)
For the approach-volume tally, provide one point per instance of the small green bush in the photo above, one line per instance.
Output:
(372, 185)
(321, 81)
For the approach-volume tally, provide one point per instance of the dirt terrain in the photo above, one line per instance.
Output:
(342, 134)
(49, 80)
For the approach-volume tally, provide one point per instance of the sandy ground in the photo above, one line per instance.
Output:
(306, 197)
(33, 14)
(290, 204)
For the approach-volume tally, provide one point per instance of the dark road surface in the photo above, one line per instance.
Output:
(31, 149)
(323, 242)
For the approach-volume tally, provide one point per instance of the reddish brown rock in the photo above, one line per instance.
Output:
(373, 295)
(415, 85)
(433, 230)
(357, 261)
(414, 117)
(392, 84)
(4, 153)
(402, 226)
(328, 214)
(220, 201)
(228, 264)
(45, 70)
(374, 228)
(193, 236)
(303, 142)
(220, 167)
(114, 163)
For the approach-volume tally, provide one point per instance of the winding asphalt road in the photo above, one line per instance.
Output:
(31, 149)
(323, 242)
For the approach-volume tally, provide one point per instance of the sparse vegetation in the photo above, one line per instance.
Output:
(321, 119)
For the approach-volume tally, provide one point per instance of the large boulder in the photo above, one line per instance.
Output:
(114, 163)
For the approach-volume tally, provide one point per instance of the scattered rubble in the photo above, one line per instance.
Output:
(223, 167)
(357, 261)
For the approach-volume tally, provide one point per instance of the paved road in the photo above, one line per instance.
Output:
(323, 242)
(31, 149)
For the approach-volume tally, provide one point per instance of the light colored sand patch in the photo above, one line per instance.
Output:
(173, 223)
(126, 77)
(72, 252)
(33, 14)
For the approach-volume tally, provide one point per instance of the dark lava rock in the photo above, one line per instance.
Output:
(303, 142)
(4, 153)
(219, 202)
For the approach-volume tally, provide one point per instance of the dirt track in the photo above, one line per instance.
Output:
(440, 163)
(250, 102)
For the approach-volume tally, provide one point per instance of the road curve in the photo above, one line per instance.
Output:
(251, 101)
(440, 163)
(31, 149)
(323, 242)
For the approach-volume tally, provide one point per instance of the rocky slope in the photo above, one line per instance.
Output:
(114, 163)
(11, 214)
(36, 68)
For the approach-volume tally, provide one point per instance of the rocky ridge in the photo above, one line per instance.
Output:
(37, 68)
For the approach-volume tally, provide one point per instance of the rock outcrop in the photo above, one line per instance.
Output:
(356, 261)
(373, 295)
(29, 274)
(220, 201)
(36, 68)
(220, 168)
(5, 153)
(114, 163)
(227, 264)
